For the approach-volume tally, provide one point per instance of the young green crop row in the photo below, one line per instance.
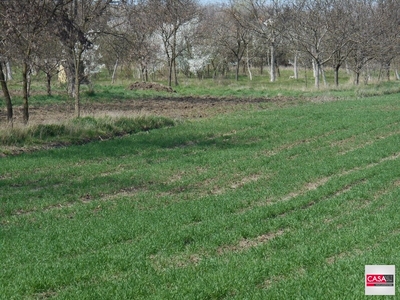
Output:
(269, 203)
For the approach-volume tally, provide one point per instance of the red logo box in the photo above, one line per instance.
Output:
(379, 279)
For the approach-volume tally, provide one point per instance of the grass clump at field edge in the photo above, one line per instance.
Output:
(79, 130)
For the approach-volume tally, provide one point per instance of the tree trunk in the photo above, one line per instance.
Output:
(77, 83)
(317, 72)
(248, 63)
(380, 73)
(347, 68)
(70, 73)
(7, 96)
(175, 74)
(314, 66)
(321, 69)
(25, 109)
(357, 78)
(114, 71)
(174, 57)
(237, 69)
(305, 75)
(272, 65)
(388, 71)
(9, 71)
(337, 67)
(278, 71)
(170, 72)
(295, 71)
(48, 79)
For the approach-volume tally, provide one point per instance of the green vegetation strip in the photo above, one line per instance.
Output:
(270, 203)
(77, 131)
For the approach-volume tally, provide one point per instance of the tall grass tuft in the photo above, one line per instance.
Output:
(380, 89)
(80, 130)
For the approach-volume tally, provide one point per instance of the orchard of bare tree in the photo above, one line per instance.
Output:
(188, 38)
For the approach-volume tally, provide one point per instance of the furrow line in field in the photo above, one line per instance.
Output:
(371, 141)
(394, 185)
(274, 279)
(85, 199)
(291, 145)
(353, 253)
(6, 176)
(320, 182)
(184, 259)
(311, 186)
(314, 202)
(236, 184)
(357, 203)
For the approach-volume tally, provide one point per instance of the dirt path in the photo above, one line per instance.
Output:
(174, 107)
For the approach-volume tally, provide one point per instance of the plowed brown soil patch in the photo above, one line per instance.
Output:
(150, 86)
(174, 107)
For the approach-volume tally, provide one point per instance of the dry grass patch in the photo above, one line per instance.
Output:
(117, 170)
(341, 143)
(289, 146)
(162, 263)
(269, 282)
(348, 187)
(310, 186)
(246, 244)
(270, 201)
(347, 254)
(84, 199)
(125, 192)
(245, 180)
(45, 295)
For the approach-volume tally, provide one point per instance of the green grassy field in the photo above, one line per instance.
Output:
(267, 203)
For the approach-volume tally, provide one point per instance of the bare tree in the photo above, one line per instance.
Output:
(362, 26)
(77, 26)
(267, 20)
(387, 41)
(6, 94)
(3, 61)
(170, 16)
(48, 59)
(340, 33)
(116, 46)
(230, 34)
(140, 31)
(310, 31)
(206, 41)
(24, 22)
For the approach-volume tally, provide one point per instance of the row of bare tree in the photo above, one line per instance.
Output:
(192, 38)
(42, 33)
